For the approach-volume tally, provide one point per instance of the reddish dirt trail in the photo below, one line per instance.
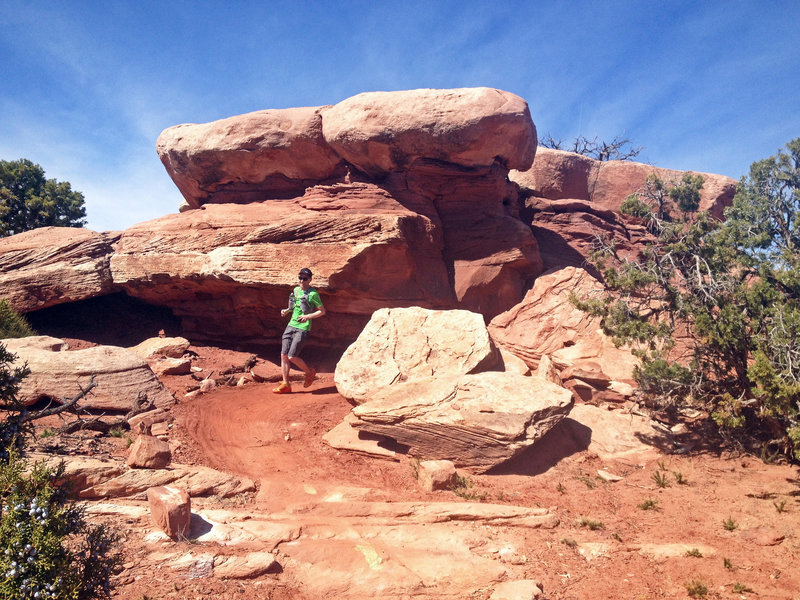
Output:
(252, 432)
(277, 440)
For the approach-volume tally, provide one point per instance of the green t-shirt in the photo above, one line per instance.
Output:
(314, 302)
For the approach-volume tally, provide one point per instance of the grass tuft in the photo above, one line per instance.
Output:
(697, 589)
(591, 524)
(649, 504)
(660, 477)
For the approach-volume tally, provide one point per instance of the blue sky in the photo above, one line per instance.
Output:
(87, 86)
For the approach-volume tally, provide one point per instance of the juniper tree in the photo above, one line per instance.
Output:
(731, 290)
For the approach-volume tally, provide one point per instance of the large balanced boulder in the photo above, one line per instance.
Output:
(263, 154)
(379, 132)
(476, 421)
(54, 265)
(401, 344)
(58, 374)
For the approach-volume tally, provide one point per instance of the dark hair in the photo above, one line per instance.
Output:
(307, 273)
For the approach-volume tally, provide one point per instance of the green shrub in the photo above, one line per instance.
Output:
(12, 324)
(47, 548)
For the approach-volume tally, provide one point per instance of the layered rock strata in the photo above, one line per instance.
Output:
(475, 421)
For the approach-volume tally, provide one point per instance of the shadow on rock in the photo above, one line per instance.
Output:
(565, 439)
(198, 526)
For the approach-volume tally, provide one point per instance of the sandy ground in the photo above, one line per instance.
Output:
(624, 539)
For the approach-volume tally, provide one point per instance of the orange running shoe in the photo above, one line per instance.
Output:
(283, 388)
(310, 377)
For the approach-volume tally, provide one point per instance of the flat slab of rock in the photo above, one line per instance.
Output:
(120, 376)
(54, 265)
(477, 421)
(94, 478)
(345, 437)
(402, 344)
(158, 347)
(614, 433)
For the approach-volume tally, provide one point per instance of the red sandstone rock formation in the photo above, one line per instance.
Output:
(54, 265)
(246, 158)
(381, 132)
(393, 199)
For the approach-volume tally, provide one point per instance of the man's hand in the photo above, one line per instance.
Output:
(284, 312)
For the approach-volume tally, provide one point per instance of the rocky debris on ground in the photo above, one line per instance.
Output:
(477, 421)
(437, 475)
(144, 421)
(122, 377)
(344, 547)
(149, 452)
(161, 347)
(170, 510)
(404, 344)
(763, 536)
(521, 589)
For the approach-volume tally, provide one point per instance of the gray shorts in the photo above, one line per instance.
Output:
(293, 340)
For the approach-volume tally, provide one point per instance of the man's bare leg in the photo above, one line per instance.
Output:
(285, 368)
(299, 363)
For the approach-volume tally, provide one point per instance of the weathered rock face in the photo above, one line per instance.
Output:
(251, 157)
(394, 199)
(476, 421)
(120, 375)
(53, 265)
(558, 175)
(570, 199)
(379, 132)
(546, 323)
(227, 270)
(407, 343)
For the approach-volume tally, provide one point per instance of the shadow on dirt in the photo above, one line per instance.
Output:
(565, 439)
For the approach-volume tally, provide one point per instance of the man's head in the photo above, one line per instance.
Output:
(305, 276)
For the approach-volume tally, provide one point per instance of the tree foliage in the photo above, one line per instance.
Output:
(29, 200)
(48, 550)
(619, 148)
(12, 324)
(713, 308)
